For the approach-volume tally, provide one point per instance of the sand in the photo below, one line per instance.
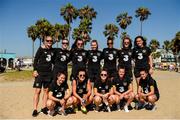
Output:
(16, 102)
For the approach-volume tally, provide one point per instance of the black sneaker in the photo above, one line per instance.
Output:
(44, 110)
(35, 113)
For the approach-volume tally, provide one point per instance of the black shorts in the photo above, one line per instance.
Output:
(93, 74)
(137, 71)
(112, 73)
(42, 80)
(128, 72)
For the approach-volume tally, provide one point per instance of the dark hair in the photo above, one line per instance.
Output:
(61, 73)
(144, 69)
(142, 38)
(82, 69)
(121, 67)
(95, 42)
(130, 44)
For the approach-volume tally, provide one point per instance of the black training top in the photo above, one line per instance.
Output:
(125, 57)
(43, 60)
(141, 56)
(62, 58)
(58, 91)
(110, 55)
(79, 60)
(81, 87)
(121, 84)
(94, 59)
(102, 87)
(145, 84)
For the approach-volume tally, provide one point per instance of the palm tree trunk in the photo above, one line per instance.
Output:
(141, 29)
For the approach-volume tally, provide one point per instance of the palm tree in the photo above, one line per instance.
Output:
(33, 34)
(43, 27)
(167, 45)
(176, 46)
(57, 35)
(124, 20)
(69, 13)
(111, 31)
(87, 13)
(154, 44)
(143, 14)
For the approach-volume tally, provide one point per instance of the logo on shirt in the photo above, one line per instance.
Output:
(144, 51)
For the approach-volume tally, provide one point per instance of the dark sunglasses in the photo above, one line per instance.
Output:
(79, 43)
(82, 75)
(110, 43)
(65, 43)
(49, 41)
(103, 74)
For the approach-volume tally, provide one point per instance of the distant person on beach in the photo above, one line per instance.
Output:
(94, 59)
(125, 56)
(42, 73)
(110, 55)
(123, 89)
(59, 95)
(82, 90)
(148, 92)
(103, 92)
(142, 57)
(61, 58)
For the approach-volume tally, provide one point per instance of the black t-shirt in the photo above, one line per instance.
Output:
(58, 91)
(145, 84)
(141, 56)
(110, 55)
(125, 56)
(121, 84)
(79, 60)
(62, 58)
(81, 87)
(94, 59)
(43, 60)
(102, 87)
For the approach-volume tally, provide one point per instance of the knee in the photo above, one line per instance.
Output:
(97, 100)
(151, 98)
(69, 101)
(50, 104)
(75, 100)
(37, 91)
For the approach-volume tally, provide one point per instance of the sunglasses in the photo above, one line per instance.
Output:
(82, 75)
(110, 43)
(65, 43)
(79, 43)
(49, 41)
(104, 75)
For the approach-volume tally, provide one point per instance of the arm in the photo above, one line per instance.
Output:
(35, 64)
(151, 92)
(130, 89)
(74, 90)
(51, 97)
(150, 64)
(96, 93)
(115, 91)
(67, 94)
(89, 89)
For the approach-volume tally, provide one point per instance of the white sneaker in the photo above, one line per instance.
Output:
(109, 109)
(126, 108)
(154, 108)
(118, 108)
(51, 113)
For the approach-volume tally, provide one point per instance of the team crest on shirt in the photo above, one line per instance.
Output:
(100, 87)
(60, 52)
(59, 94)
(122, 52)
(98, 54)
(67, 54)
(144, 51)
(84, 86)
(107, 52)
(45, 52)
(136, 51)
(37, 84)
(76, 53)
(114, 52)
(62, 89)
(130, 53)
(83, 53)
(106, 87)
(125, 83)
(91, 54)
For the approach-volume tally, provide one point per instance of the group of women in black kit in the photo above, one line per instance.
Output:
(101, 88)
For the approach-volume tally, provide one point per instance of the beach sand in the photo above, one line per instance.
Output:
(16, 102)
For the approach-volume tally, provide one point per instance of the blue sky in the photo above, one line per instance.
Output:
(17, 15)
